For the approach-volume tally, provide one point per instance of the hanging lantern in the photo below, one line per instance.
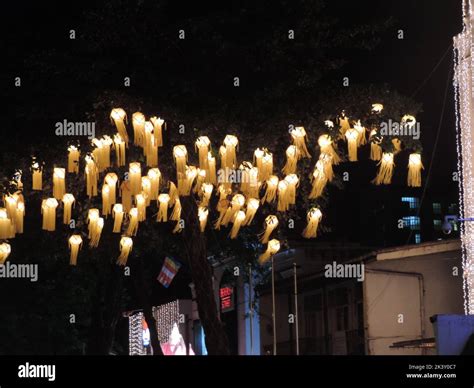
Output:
(154, 174)
(141, 207)
(163, 200)
(119, 146)
(244, 171)
(135, 178)
(201, 178)
(326, 145)
(181, 157)
(75, 244)
(414, 170)
(20, 216)
(257, 157)
(375, 148)
(106, 203)
(59, 183)
(293, 182)
(212, 176)
(7, 230)
(97, 232)
(126, 195)
(98, 154)
(385, 173)
(106, 146)
(126, 245)
(68, 202)
(111, 179)
(344, 124)
(37, 176)
(133, 222)
(5, 250)
(291, 160)
(148, 131)
(271, 222)
(92, 176)
(173, 193)
(239, 217)
(252, 207)
(73, 160)
(319, 181)
(254, 184)
(117, 214)
(206, 192)
(203, 213)
(223, 192)
(48, 208)
(238, 201)
(326, 161)
(186, 185)
(271, 191)
(11, 205)
(361, 140)
(313, 218)
(231, 143)
(266, 169)
(352, 137)
(138, 122)
(298, 134)
(119, 117)
(93, 216)
(222, 208)
(283, 196)
(146, 189)
(223, 156)
(176, 214)
(377, 108)
(272, 248)
(202, 146)
(157, 130)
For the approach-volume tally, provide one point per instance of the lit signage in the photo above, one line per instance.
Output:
(226, 294)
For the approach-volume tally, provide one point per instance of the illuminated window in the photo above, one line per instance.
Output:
(417, 238)
(413, 202)
(436, 208)
(411, 222)
(453, 208)
(437, 224)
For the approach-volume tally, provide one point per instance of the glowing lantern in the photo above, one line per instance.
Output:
(92, 176)
(135, 178)
(106, 146)
(238, 201)
(385, 173)
(173, 193)
(257, 157)
(119, 117)
(319, 181)
(313, 217)
(271, 191)
(37, 176)
(203, 214)
(344, 124)
(231, 142)
(148, 131)
(126, 245)
(352, 136)
(59, 183)
(48, 208)
(206, 192)
(146, 189)
(11, 206)
(271, 222)
(176, 214)
(73, 160)
(5, 250)
(252, 207)
(119, 146)
(163, 200)
(326, 160)
(186, 185)
(377, 108)
(111, 180)
(20, 216)
(212, 176)
(266, 169)
(117, 214)
(158, 130)
(75, 244)
(326, 145)
(133, 222)
(414, 170)
(298, 134)
(68, 201)
(223, 155)
(291, 160)
(293, 182)
(222, 208)
(239, 217)
(93, 216)
(97, 232)
(283, 196)
(375, 148)
(141, 207)
(272, 248)
(181, 157)
(154, 175)
(138, 122)
(201, 178)
(202, 145)
(361, 140)
(7, 230)
(126, 195)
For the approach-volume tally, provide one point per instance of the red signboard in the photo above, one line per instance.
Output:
(226, 294)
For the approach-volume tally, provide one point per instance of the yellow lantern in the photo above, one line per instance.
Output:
(111, 180)
(126, 195)
(299, 134)
(75, 244)
(126, 245)
(68, 202)
(283, 196)
(414, 170)
(238, 201)
(117, 214)
(293, 181)
(375, 148)
(352, 136)
(37, 176)
(186, 184)
(154, 175)
(119, 146)
(180, 155)
(313, 218)
(257, 157)
(98, 154)
(146, 189)
(138, 123)
(148, 138)
(48, 208)
(206, 192)
(212, 176)
(59, 183)
(163, 200)
(93, 216)
(252, 207)
(20, 216)
(133, 222)
(141, 207)
(271, 191)
(326, 145)
(361, 140)
(176, 214)
(97, 232)
(7, 230)
(201, 178)
(266, 169)
(223, 155)
(106, 203)
(231, 143)
(203, 214)
(92, 176)
(202, 146)
(157, 130)
(272, 248)
(385, 173)
(326, 161)
(319, 181)
(11, 206)
(119, 117)
(173, 193)
(291, 160)
(5, 250)
(106, 146)
(135, 178)
(239, 217)
(271, 222)
(73, 160)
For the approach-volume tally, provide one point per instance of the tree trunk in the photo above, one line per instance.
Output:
(196, 255)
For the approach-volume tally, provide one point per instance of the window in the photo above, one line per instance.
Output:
(417, 238)
(413, 202)
(453, 208)
(436, 208)
(437, 224)
(411, 222)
